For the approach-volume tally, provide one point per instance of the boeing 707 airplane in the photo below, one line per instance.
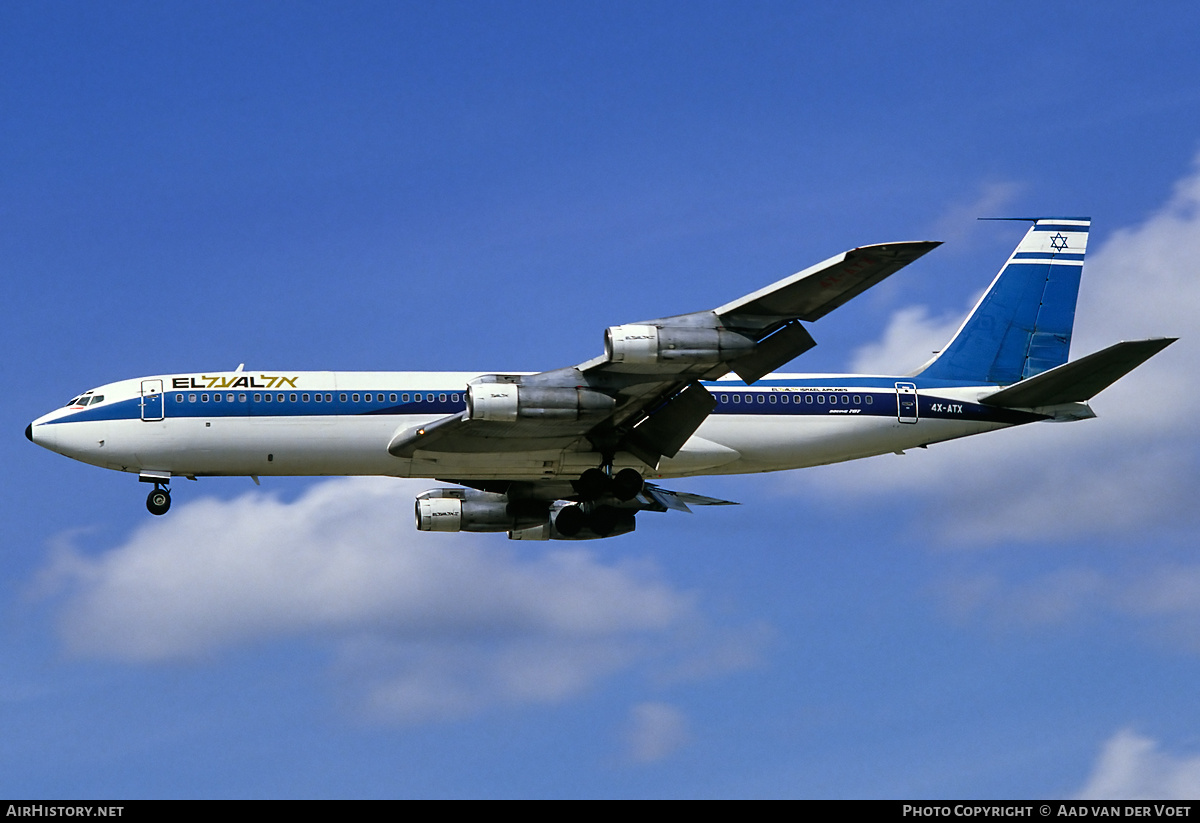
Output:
(576, 453)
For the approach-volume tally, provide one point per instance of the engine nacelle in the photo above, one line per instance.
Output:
(609, 522)
(468, 510)
(439, 514)
(505, 402)
(643, 345)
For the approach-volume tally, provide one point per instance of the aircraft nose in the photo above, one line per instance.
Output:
(38, 433)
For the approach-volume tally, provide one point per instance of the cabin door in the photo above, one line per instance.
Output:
(906, 402)
(152, 400)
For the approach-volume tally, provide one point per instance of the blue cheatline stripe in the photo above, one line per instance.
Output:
(131, 408)
(876, 397)
(824, 402)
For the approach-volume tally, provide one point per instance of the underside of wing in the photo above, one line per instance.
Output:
(644, 395)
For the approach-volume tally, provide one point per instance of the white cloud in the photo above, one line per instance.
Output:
(1132, 767)
(1127, 470)
(910, 339)
(655, 731)
(427, 625)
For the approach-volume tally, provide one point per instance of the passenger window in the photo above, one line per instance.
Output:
(329, 398)
(820, 399)
(392, 398)
(292, 397)
(773, 399)
(179, 398)
(268, 398)
(441, 398)
(191, 398)
(808, 399)
(241, 397)
(216, 398)
(869, 400)
(429, 398)
(317, 397)
(354, 397)
(737, 398)
(204, 398)
(304, 398)
(453, 398)
(404, 398)
(342, 397)
(857, 400)
(762, 398)
(258, 398)
(845, 400)
(229, 398)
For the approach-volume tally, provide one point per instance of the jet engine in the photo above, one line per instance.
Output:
(505, 402)
(468, 510)
(644, 345)
(569, 521)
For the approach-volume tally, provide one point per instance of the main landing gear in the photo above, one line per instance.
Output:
(159, 500)
(592, 486)
(595, 483)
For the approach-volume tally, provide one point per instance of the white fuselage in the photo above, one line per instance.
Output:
(340, 423)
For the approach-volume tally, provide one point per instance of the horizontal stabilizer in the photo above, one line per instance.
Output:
(1080, 379)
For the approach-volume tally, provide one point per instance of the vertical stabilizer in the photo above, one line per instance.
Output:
(1022, 325)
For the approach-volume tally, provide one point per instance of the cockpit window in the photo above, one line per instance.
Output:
(96, 398)
(82, 400)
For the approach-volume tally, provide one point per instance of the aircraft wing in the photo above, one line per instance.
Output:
(816, 291)
(644, 394)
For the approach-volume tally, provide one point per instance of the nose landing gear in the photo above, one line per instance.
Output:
(159, 500)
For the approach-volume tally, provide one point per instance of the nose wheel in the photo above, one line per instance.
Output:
(159, 500)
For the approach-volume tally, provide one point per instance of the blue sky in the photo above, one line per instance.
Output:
(489, 186)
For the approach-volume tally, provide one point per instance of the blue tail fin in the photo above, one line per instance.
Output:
(1022, 325)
